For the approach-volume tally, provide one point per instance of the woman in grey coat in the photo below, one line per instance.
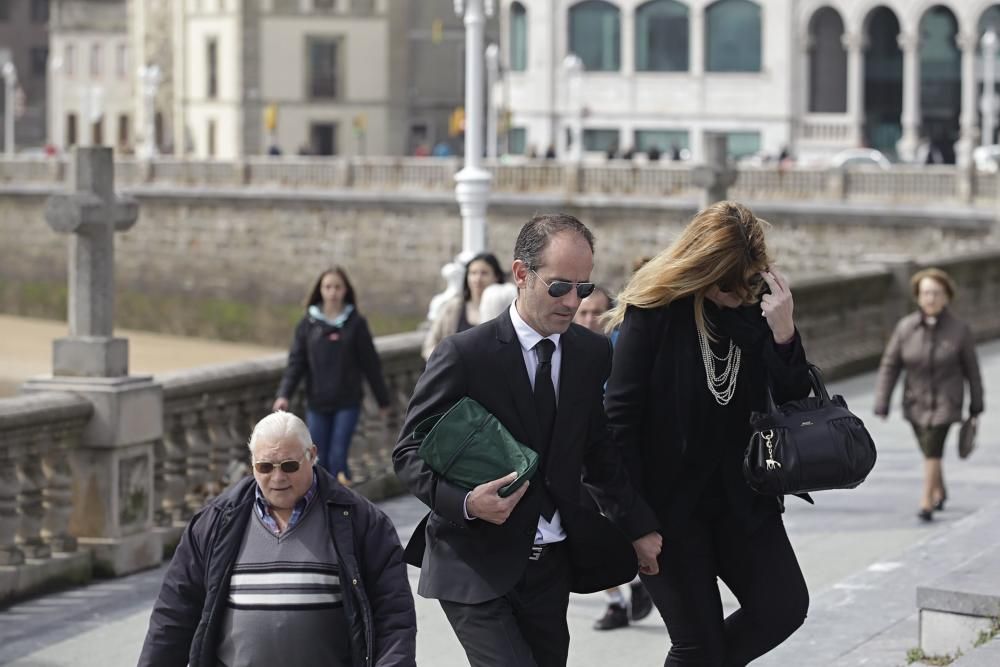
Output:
(938, 353)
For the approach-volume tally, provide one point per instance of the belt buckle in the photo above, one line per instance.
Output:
(536, 551)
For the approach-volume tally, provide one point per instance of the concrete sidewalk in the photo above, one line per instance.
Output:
(863, 553)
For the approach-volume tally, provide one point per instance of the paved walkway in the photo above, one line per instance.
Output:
(863, 553)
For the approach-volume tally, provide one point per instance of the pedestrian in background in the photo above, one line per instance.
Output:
(462, 311)
(496, 299)
(619, 611)
(938, 353)
(697, 350)
(332, 350)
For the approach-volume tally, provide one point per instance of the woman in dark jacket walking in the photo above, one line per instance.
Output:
(332, 349)
(693, 358)
(938, 353)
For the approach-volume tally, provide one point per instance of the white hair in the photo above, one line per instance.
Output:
(279, 426)
(496, 299)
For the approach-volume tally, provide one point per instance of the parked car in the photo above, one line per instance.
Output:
(987, 158)
(854, 157)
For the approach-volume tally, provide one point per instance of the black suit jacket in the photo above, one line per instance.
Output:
(474, 561)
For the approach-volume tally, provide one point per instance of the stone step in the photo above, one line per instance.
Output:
(957, 607)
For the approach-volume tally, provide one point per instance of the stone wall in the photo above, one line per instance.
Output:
(235, 264)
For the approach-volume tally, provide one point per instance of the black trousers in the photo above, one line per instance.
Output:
(525, 628)
(759, 568)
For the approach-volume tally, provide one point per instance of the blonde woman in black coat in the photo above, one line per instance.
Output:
(699, 341)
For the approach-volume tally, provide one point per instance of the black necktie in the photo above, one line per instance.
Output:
(545, 407)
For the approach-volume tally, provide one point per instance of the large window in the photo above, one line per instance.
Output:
(732, 36)
(518, 37)
(600, 140)
(827, 63)
(661, 37)
(323, 73)
(212, 68)
(742, 144)
(39, 11)
(664, 141)
(39, 60)
(95, 60)
(517, 139)
(595, 35)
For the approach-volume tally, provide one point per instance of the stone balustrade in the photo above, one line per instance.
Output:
(208, 414)
(902, 183)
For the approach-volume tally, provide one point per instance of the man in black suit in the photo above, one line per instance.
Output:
(503, 568)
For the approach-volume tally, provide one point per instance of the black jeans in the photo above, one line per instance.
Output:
(759, 568)
(526, 627)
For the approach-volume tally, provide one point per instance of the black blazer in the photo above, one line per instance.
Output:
(681, 447)
(474, 561)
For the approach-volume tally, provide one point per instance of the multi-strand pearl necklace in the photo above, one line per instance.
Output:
(721, 385)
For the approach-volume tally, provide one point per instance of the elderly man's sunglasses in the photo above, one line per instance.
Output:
(560, 288)
(287, 467)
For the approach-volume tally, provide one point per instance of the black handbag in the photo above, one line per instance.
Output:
(811, 444)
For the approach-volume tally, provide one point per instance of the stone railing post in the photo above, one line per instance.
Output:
(57, 493)
(29, 505)
(10, 488)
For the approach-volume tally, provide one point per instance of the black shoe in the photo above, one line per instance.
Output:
(616, 616)
(940, 504)
(641, 604)
(925, 515)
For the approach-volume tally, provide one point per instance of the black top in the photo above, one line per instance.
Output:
(332, 360)
(685, 448)
(463, 321)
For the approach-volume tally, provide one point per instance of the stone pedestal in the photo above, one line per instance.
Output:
(113, 470)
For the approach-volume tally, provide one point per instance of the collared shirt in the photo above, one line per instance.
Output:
(547, 531)
(264, 509)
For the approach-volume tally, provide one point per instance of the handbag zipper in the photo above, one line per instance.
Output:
(465, 444)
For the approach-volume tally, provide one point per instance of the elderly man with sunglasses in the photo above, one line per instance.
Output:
(502, 568)
(286, 567)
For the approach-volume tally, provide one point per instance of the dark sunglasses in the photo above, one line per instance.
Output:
(287, 467)
(560, 288)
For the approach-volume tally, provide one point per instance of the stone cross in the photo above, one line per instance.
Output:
(91, 213)
(715, 175)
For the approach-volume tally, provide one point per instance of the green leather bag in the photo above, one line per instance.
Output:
(468, 446)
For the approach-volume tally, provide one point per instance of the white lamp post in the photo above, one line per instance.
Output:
(56, 137)
(492, 76)
(472, 183)
(988, 103)
(10, 89)
(574, 83)
(149, 77)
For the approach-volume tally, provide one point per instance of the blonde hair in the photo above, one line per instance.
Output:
(723, 245)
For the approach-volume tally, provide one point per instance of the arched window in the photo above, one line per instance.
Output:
(518, 37)
(732, 36)
(827, 63)
(595, 35)
(661, 37)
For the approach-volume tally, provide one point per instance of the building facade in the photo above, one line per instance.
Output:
(809, 76)
(90, 75)
(24, 41)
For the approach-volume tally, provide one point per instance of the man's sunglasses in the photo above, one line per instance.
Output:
(560, 288)
(287, 467)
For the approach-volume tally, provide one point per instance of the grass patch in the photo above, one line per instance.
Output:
(212, 318)
(988, 635)
(918, 655)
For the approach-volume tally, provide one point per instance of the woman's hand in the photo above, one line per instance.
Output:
(280, 404)
(777, 306)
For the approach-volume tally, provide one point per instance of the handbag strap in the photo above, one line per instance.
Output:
(818, 387)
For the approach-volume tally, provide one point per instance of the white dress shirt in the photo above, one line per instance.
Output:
(547, 531)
